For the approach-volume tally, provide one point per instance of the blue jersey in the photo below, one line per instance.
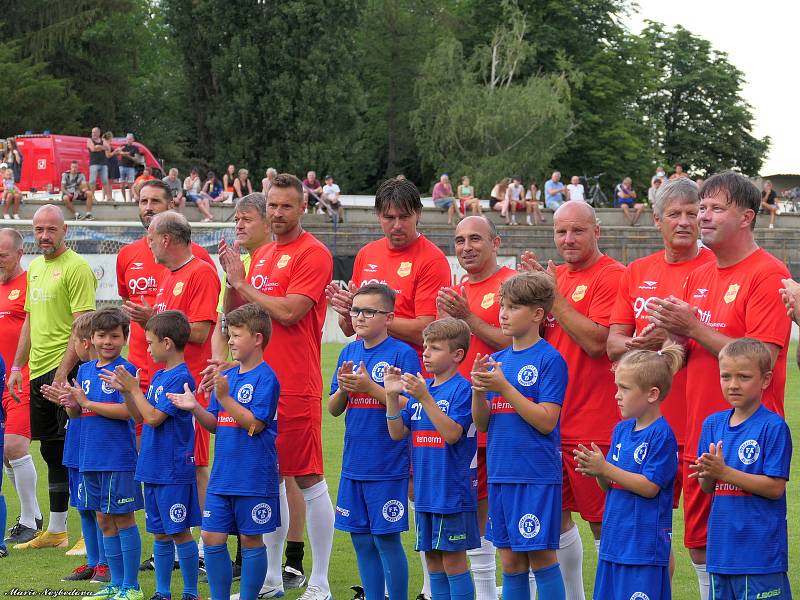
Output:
(517, 452)
(106, 444)
(365, 420)
(638, 530)
(747, 533)
(72, 444)
(444, 474)
(246, 465)
(166, 453)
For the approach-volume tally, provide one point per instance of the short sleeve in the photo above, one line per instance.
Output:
(434, 275)
(408, 361)
(122, 285)
(203, 294)
(604, 295)
(661, 461)
(706, 436)
(312, 272)
(622, 313)
(461, 406)
(405, 413)
(765, 315)
(81, 285)
(553, 380)
(213, 405)
(778, 451)
(265, 399)
(614, 441)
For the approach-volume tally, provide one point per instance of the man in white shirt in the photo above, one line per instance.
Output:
(575, 189)
(330, 193)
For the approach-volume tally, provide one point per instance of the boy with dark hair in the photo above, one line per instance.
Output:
(371, 482)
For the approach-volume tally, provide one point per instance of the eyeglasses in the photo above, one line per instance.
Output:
(368, 313)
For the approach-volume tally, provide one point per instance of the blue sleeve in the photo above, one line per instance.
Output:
(778, 451)
(173, 385)
(706, 436)
(553, 380)
(661, 462)
(213, 405)
(408, 361)
(405, 413)
(461, 406)
(614, 441)
(265, 399)
(334, 381)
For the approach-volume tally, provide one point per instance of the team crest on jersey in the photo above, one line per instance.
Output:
(56, 275)
(404, 270)
(284, 260)
(579, 293)
(261, 513)
(749, 451)
(640, 596)
(443, 405)
(527, 375)
(245, 393)
(529, 526)
(176, 291)
(177, 513)
(730, 295)
(378, 370)
(640, 453)
(393, 511)
(159, 391)
(107, 389)
(488, 300)
(13, 294)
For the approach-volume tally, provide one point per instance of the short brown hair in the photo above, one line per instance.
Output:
(171, 324)
(749, 348)
(453, 331)
(82, 326)
(287, 180)
(109, 318)
(252, 317)
(653, 369)
(399, 193)
(530, 289)
(386, 293)
(737, 189)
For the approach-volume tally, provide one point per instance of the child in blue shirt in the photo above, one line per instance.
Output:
(443, 447)
(243, 489)
(377, 479)
(166, 454)
(517, 397)
(744, 456)
(638, 476)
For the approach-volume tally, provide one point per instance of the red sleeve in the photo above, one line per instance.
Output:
(202, 297)
(122, 285)
(356, 265)
(203, 254)
(433, 276)
(605, 294)
(312, 273)
(765, 315)
(622, 312)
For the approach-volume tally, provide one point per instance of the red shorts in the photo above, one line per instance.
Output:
(696, 508)
(201, 438)
(483, 481)
(581, 494)
(18, 415)
(299, 442)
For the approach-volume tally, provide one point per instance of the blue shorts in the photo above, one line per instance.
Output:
(774, 586)
(524, 516)
(127, 174)
(637, 582)
(75, 488)
(171, 507)
(626, 201)
(110, 492)
(249, 515)
(372, 506)
(96, 171)
(449, 533)
(442, 203)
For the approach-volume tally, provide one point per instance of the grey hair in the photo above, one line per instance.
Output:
(255, 201)
(14, 236)
(683, 189)
(174, 225)
(271, 171)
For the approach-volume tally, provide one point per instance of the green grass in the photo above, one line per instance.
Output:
(42, 569)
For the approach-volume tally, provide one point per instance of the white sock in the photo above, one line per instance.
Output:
(274, 543)
(597, 546)
(702, 580)
(570, 559)
(10, 474)
(532, 584)
(426, 578)
(25, 483)
(483, 565)
(319, 524)
(58, 522)
(201, 547)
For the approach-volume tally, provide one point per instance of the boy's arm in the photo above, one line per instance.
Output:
(337, 403)
(243, 417)
(147, 412)
(450, 431)
(711, 467)
(394, 420)
(541, 416)
(109, 410)
(480, 410)
(129, 402)
(187, 401)
(592, 463)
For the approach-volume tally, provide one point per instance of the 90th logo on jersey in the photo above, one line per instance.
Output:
(261, 513)
(378, 371)
(528, 375)
(749, 451)
(393, 511)
(640, 453)
(529, 526)
(177, 512)
(245, 394)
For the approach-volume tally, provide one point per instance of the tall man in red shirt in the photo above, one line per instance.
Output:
(287, 279)
(16, 456)
(477, 302)
(738, 295)
(586, 289)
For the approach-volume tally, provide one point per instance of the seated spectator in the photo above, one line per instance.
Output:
(227, 181)
(768, 203)
(699, 181)
(655, 183)
(312, 190)
(466, 196)
(241, 185)
(176, 188)
(331, 193)
(193, 187)
(11, 194)
(661, 174)
(266, 183)
(514, 200)
(498, 195)
(532, 197)
(74, 188)
(575, 190)
(212, 188)
(679, 172)
(554, 192)
(147, 175)
(443, 197)
(625, 196)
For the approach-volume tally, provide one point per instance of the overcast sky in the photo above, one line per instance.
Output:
(762, 39)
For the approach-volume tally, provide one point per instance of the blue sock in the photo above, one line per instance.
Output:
(440, 587)
(114, 558)
(89, 530)
(369, 566)
(515, 586)
(101, 547)
(3, 519)
(131, 543)
(395, 564)
(461, 586)
(549, 584)
(189, 559)
(254, 571)
(163, 557)
(219, 570)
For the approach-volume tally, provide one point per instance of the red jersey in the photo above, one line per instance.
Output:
(192, 289)
(303, 266)
(737, 301)
(645, 279)
(138, 274)
(589, 412)
(416, 273)
(12, 316)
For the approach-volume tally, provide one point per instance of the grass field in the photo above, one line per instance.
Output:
(38, 570)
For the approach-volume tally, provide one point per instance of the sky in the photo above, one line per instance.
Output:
(762, 39)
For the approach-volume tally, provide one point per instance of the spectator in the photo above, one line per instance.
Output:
(679, 172)
(466, 196)
(498, 194)
(193, 187)
(13, 158)
(112, 158)
(768, 203)
(532, 197)
(699, 181)
(661, 174)
(98, 164)
(625, 196)
(655, 184)
(241, 185)
(443, 197)
(129, 159)
(514, 200)
(312, 190)
(266, 183)
(575, 189)
(11, 194)
(176, 189)
(554, 192)
(147, 175)
(330, 193)
(227, 180)
(212, 188)
(74, 188)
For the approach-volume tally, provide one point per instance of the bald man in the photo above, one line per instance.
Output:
(61, 287)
